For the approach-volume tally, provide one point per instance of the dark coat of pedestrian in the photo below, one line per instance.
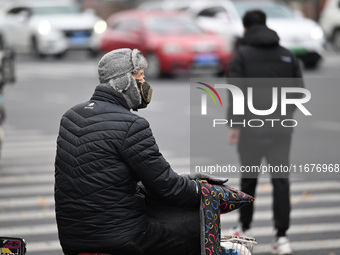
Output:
(260, 62)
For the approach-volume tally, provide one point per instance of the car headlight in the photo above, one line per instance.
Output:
(316, 33)
(170, 48)
(44, 27)
(99, 27)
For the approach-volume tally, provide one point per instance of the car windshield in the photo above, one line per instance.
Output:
(172, 25)
(58, 9)
(273, 11)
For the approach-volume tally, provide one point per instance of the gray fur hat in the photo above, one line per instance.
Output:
(115, 69)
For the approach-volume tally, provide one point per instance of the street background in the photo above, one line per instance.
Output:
(45, 89)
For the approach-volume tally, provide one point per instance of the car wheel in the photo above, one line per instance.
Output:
(2, 43)
(221, 73)
(93, 53)
(153, 70)
(35, 49)
(60, 55)
(311, 64)
(7, 70)
(2, 78)
(11, 66)
(336, 40)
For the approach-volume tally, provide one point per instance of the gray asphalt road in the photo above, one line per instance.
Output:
(47, 88)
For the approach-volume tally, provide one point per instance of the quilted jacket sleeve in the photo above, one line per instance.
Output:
(235, 73)
(236, 66)
(142, 155)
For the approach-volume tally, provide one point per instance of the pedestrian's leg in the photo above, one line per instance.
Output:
(248, 186)
(281, 205)
(278, 155)
(251, 152)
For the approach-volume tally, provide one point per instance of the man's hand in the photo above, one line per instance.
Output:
(234, 136)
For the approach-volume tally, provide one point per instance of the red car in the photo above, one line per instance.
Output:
(171, 42)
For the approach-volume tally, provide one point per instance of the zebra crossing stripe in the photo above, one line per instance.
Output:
(295, 214)
(21, 197)
(49, 177)
(23, 202)
(294, 229)
(29, 230)
(36, 189)
(297, 246)
(27, 215)
(29, 144)
(29, 179)
(42, 229)
(29, 152)
(225, 219)
(259, 248)
(11, 171)
(26, 202)
(43, 246)
(302, 246)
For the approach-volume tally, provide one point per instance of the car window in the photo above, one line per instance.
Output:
(171, 25)
(17, 10)
(213, 12)
(183, 8)
(57, 9)
(126, 25)
(274, 11)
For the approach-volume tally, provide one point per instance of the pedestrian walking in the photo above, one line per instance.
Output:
(258, 56)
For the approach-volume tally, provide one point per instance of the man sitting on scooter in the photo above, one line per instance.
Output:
(103, 151)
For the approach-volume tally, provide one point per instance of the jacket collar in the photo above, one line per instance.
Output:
(260, 35)
(107, 94)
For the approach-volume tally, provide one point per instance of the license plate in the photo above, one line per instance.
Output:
(206, 60)
(79, 38)
(299, 51)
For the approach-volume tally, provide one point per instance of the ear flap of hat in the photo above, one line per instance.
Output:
(121, 83)
(127, 86)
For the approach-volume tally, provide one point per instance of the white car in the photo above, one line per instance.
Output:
(330, 22)
(49, 27)
(220, 17)
(302, 36)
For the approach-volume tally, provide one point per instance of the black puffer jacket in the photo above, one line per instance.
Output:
(260, 55)
(103, 150)
(261, 63)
